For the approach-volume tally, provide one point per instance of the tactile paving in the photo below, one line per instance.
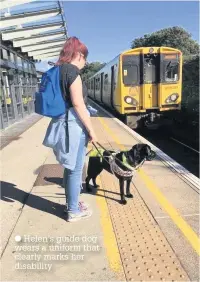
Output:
(146, 254)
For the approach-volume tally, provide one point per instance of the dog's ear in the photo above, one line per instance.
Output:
(133, 148)
(145, 151)
(137, 147)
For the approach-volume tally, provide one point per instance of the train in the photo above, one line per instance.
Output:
(141, 85)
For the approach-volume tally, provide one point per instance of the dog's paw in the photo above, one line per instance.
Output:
(129, 196)
(96, 186)
(123, 202)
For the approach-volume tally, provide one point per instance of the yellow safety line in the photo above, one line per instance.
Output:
(110, 242)
(175, 216)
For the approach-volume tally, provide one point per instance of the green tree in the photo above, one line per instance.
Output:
(175, 37)
(90, 69)
(190, 89)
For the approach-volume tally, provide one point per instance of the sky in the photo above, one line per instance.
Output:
(109, 27)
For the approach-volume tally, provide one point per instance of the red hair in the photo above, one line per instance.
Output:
(70, 49)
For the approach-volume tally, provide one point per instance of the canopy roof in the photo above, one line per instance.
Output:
(38, 28)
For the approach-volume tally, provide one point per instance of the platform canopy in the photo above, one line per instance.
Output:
(37, 27)
(11, 3)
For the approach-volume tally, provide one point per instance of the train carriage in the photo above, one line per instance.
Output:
(140, 84)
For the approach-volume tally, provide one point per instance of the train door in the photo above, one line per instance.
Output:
(101, 90)
(92, 88)
(94, 79)
(106, 90)
(112, 85)
(97, 88)
(151, 80)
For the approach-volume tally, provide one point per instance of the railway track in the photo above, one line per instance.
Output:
(176, 148)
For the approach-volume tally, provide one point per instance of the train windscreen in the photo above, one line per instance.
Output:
(131, 69)
(170, 68)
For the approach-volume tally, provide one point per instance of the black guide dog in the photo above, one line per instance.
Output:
(125, 160)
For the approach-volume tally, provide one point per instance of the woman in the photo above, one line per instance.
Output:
(69, 135)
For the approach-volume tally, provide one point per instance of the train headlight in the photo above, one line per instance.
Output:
(172, 98)
(130, 100)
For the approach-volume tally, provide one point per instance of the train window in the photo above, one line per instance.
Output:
(99, 83)
(149, 70)
(171, 71)
(96, 84)
(130, 69)
(105, 82)
(115, 78)
(130, 74)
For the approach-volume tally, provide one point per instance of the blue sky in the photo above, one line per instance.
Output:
(108, 27)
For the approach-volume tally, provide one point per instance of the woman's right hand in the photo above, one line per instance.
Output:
(92, 137)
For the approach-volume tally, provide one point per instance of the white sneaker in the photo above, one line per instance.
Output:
(72, 217)
(82, 206)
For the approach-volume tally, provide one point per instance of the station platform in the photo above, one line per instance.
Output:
(154, 237)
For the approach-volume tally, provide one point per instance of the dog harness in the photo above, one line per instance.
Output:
(117, 170)
(113, 166)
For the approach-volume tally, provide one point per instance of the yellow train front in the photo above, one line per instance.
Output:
(140, 84)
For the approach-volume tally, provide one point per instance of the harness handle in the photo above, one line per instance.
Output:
(107, 152)
(100, 152)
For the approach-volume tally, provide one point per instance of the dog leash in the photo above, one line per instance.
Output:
(100, 152)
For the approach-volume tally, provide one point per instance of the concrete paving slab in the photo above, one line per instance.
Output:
(43, 217)
(13, 132)
(188, 258)
(19, 161)
(173, 187)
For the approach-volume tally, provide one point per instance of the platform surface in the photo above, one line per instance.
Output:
(152, 238)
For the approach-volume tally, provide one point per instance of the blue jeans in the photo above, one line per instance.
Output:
(72, 179)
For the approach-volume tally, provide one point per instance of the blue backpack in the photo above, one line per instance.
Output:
(49, 100)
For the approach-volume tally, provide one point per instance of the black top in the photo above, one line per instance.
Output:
(68, 74)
